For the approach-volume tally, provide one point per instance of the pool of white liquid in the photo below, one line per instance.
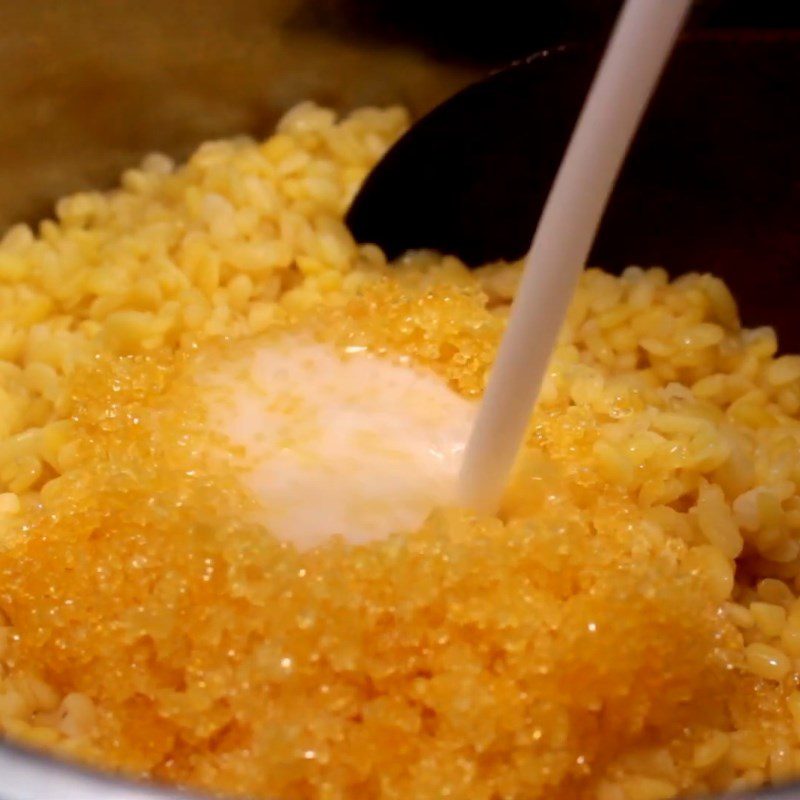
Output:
(332, 443)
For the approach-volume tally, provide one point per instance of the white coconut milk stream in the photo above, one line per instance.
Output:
(633, 62)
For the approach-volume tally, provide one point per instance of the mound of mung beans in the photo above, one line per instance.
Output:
(626, 628)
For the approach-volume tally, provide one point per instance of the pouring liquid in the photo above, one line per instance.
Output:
(635, 57)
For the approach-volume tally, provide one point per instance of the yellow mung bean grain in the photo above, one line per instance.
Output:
(767, 661)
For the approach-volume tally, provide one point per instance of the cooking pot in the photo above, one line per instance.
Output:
(87, 87)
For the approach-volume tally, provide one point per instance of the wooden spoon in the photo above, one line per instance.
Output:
(712, 182)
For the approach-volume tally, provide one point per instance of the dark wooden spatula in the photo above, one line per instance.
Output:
(712, 182)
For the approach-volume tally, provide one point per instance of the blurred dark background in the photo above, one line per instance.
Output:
(87, 87)
(507, 29)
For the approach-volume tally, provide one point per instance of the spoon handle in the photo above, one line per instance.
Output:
(634, 59)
